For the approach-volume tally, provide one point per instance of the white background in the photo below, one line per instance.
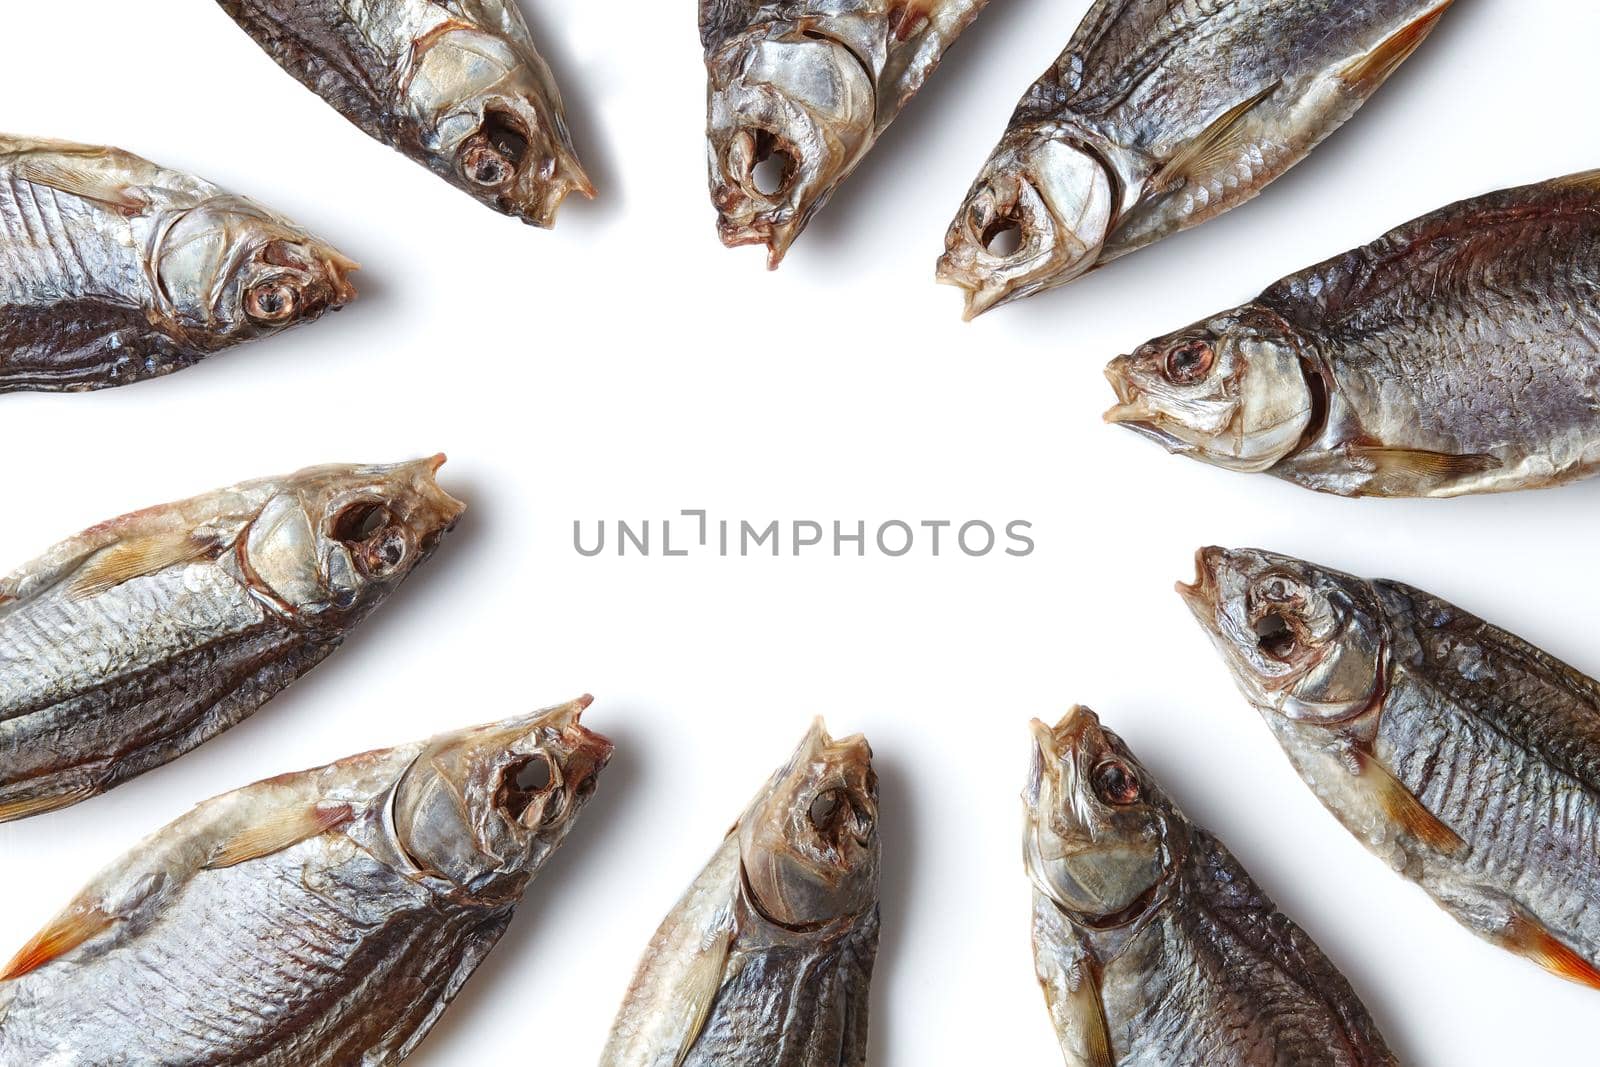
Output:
(625, 365)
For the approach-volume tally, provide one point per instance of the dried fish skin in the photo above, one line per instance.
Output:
(768, 957)
(1459, 353)
(114, 269)
(143, 637)
(1153, 945)
(455, 85)
(1160, 115)
(810, 84)
(321, 918)
(1461, 755)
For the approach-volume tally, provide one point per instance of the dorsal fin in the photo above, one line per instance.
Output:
(138, 557)
(278, 831)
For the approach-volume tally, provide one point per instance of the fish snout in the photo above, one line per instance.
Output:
(1201, 594)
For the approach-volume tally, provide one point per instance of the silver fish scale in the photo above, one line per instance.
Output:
(1490, 745)
(53, 647)
(286, 944)
(54, 246)
(1221, 976)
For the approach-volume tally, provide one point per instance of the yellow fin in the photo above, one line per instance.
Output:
(1368, 71)
(1215, 145)
(1588, 179)
(81, 182)
(1401, 805)
(12, 810)
(136, 558)
(1415, 463)
(699, 990)
(277, 832)
(64, 933)
(1084, 1014)
(1528, 938)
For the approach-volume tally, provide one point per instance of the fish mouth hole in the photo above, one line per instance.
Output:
(1275, 636)
(774, 166)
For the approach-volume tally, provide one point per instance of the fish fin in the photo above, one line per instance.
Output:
(12, 810)
(1527, 937)
(1083, 1011)
(699, 989)
(136, 558)
(80, 182)
(1586, 180)
(1402, 805)
(1368, 71)
(911, 16)
(1216, 144)
(1434, 467)
(63, 934)
(281, 830)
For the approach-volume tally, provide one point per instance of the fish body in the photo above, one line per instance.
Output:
(768, 957)
(1460, 754)
(1460, 353)
(809, 85)
(1162, 114)
(139, 639)
(314, 919)
(456, 85)
(1153, 945)
(114, 269)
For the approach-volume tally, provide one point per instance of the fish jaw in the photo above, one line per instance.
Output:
(1052, 198)
(804, 105)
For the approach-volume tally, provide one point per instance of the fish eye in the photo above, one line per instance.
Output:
(273, 302)
(826, 809)
(1190, 363)
(358, 522)
(1115, 783)
(483, 165)
(523, 782)
(1275, 636)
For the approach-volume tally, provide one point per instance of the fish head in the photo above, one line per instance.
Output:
(489, 116)
(228, 270)
(789, 112)
(809, 842)
(334, 541)
(491, 803)
(1099, 836)
(1037, 217)
(1232, 391)
(1306, 644)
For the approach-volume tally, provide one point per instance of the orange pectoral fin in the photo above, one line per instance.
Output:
(66, 932)
(1527, 938)
(1403, 807)
(285, 829)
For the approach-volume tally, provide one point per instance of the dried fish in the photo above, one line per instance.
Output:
(1159, 115)
(1458, 354)
(802, 89)
(456, 85)
(1153, 945)
(768, 957)
(113, 270)
(1458, 753)
(315, 919)
(128, 645)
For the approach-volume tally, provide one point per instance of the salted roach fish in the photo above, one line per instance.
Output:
(128, 645)
(768, 957)
(113, 269)
(799, 91)
(1153, 945)
(1457, 354)
(1460, 754)
(1159, 115)
(456, 85)
(316, 919)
